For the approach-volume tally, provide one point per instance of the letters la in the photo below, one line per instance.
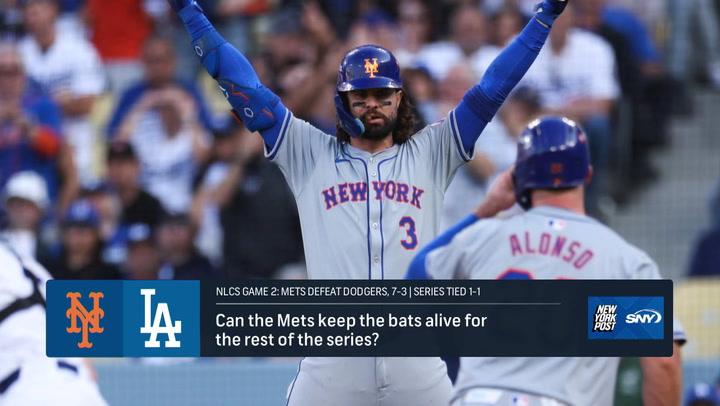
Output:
(162, 315)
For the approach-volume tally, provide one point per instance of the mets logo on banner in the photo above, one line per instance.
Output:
(371, 68)
(113, 318)
(89, 321)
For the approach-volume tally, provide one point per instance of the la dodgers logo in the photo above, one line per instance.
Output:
(90, 319)
(371, 68)
(162, 315)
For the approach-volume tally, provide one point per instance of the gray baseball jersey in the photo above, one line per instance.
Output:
(542, 243)
(363, 215)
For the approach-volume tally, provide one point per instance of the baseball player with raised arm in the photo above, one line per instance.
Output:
(552, 239)
(370, 196)
(27, 376)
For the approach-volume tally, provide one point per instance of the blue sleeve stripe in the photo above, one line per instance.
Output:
(466, 155)
(418, 266)
(283, 129)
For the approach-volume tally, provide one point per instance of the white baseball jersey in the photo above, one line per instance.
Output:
(542, 243)
(167, 163)
(585, 68)
(363, 215)
(71, 64)
(41, 380)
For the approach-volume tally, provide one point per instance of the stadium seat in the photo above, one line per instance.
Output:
(697, 306)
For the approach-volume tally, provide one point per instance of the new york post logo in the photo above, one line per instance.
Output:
(626, 317)
(89, 320)
(605, 318)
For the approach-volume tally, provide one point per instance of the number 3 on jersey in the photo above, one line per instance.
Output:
(410, 241)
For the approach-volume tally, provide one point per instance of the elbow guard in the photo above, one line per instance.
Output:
(256, 108)
(252, 103)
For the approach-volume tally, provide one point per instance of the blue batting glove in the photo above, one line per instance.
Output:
(178, 5)
(549, 10)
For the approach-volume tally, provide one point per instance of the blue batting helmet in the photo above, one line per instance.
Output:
(365, 67)
(702, 393)
(552, 153)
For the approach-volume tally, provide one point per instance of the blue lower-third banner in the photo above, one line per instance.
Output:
(265, 318)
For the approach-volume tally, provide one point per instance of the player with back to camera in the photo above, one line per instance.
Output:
(371, 195)
(27, 376)
(548, 182)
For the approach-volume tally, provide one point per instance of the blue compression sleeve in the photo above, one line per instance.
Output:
(417, 268)
(480, 103)
(236, 77)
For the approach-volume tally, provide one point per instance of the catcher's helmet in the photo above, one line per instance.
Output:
(552, 154)
(365, 67)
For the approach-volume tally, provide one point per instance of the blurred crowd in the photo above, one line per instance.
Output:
(119, 159)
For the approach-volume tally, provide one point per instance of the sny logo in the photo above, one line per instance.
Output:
(644, 316)
(605, 318)
(162, 315)
(90, 319)
(371, 68)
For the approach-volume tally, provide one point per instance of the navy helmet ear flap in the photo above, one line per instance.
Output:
(351, 124)
(522, 195)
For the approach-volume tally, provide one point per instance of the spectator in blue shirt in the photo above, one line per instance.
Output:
(180, 257)
(630, 26)
(648, 88)
(80, 254)
(705, 260)
(159, 74)
(30, 137)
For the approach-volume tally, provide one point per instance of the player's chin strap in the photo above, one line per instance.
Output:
(352, 125)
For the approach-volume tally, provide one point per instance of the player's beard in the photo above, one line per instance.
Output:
(378, 131)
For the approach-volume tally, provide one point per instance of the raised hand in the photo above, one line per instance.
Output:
(501, 196)
(549, 10)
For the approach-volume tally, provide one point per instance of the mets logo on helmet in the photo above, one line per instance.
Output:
(371, 68)
(90, 320)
